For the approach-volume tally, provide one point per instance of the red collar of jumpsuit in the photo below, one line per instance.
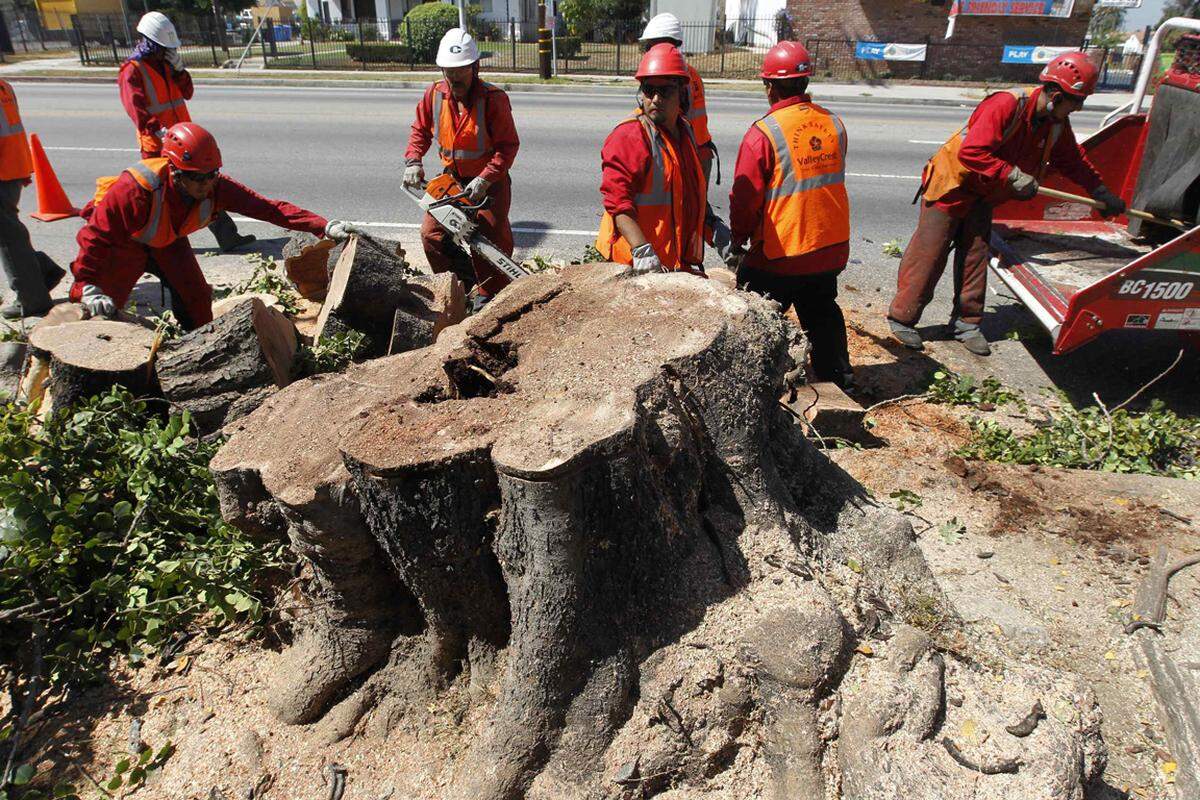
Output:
(111, 259)
(627, 174)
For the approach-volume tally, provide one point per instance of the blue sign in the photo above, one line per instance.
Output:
(869, 51)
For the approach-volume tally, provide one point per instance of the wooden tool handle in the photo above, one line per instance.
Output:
(1129, 212)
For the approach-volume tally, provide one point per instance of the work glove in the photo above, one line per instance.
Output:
(722, 237)
(1023, 184)
(1113, 205)
(175, 59)
(414, 175)
(96, 303)
(645, 260)
(340, 231)
(477, 189)
(160, 134)
(733, 258)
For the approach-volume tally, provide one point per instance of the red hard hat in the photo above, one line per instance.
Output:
(787, 60)
(1074, 72)
(662, 61)
(189, 147)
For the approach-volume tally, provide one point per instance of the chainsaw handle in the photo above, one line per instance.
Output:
(452, 198)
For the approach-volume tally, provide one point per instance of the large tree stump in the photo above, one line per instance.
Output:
(598, 507)
(225, 369)
(90, 357)
(369, 293)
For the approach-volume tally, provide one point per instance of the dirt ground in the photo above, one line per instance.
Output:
(1046, 560)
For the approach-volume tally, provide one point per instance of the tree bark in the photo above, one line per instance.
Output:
(224, 370)
(91, 356)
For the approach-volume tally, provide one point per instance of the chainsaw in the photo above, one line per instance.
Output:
(446, 201)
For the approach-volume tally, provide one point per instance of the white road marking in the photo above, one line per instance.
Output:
(98, 149)
(924, 141)
(880, 175)
(414, 226)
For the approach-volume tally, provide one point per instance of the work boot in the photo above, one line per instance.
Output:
(907, 335)
(972, 338)
(477, 302)
(225, 231)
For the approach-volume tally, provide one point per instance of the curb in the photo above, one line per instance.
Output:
(530, 88)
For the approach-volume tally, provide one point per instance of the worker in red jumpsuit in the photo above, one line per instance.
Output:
(1002, 153)
(140, 221)
(656, 214)
(472, 123)
(155, 87)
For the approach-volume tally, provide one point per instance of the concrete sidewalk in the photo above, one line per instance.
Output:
(69, 69)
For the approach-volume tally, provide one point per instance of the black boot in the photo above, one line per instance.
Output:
(224, 229)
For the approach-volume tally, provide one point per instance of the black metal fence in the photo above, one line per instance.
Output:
(28, 31)
(106, 39)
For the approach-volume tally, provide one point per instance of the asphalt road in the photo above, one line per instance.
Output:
(339, 152)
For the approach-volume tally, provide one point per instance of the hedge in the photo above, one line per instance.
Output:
(425, 25)
(379, 53)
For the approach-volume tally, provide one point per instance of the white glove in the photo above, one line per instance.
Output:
(1024, 185)
(733, 258)
(161, 134)
(414, 175)
(339, 231)
(96, 303)
(175, 59)
(477, 189)
(645, 260)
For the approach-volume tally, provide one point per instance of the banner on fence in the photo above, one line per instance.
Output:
(1118, 3)
(1027, 54)
(888, 51)
(1008, 8)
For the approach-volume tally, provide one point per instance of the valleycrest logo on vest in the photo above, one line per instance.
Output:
(817, 160)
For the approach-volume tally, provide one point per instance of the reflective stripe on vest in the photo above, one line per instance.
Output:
(659, 194)
(158, 231)
(481, 136)
(156, 105)
(789, 185)
(15, 161)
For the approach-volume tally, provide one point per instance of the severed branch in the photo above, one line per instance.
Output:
(1150, 607)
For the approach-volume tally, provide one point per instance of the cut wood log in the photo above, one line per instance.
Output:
(366, 290)
(227, 304)
(90, 357)
(829, 411)
(225, 369)
(308, 261)
(445, 303)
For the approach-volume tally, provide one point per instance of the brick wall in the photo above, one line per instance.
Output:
(973, 52)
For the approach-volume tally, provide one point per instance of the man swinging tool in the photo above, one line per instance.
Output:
(1003, 152)
(140, 220)
(472, 123)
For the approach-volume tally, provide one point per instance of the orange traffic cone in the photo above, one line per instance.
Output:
(52, 200)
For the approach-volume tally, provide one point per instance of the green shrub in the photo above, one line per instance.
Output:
(391, 53)
(424, 27)
(568, 46)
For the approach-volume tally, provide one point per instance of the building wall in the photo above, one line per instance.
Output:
(973, 52)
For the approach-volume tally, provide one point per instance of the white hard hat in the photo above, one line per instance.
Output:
(157, 28)
(663, 26)
(458, 49)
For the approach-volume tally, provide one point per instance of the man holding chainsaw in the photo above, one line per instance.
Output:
(655, 195)
(471, 121)
(139, 222)
(1002, 153)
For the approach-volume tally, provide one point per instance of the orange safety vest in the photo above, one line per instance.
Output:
(806, 204)
(162, 100)
(697, 113)
(659, 204)
(464, 147)
(14, 149)
(944, 172)
(151, 175)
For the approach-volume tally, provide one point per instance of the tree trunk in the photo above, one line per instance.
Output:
(91, 356)
(367, 291)
(308, 261)
(592, 494)
(224, 370)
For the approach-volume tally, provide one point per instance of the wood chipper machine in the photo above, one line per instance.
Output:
(1082, 275)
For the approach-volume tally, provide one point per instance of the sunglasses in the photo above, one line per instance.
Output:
(659, 89)
(199, 177)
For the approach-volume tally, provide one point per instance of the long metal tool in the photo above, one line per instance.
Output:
(453, 214)
(1129, 212)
